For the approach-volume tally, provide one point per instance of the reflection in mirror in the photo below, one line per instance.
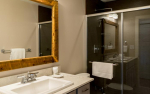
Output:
(109, 33)
(45, 41)
(110, 30)
(19, 29)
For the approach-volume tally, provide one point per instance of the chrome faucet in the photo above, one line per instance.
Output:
(115, 55)
(28, 78)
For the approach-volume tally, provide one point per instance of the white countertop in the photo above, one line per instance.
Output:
(78, 81)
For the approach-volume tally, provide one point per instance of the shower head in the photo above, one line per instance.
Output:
(107, 0)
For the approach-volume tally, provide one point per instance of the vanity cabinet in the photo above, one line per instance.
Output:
(73, 92)
(82, 90)
(130, 73)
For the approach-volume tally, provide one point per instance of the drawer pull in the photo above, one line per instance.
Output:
(85, 90)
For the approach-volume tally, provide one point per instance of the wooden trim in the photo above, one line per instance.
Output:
(116, 34)
(29, 62)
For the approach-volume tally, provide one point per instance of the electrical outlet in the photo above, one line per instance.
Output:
(131, 47)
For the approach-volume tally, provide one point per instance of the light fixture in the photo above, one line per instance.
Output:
(115, 16)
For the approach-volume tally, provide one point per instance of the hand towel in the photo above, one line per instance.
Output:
(110, 47)
(102, 69)
(17, 53)
(125, 49)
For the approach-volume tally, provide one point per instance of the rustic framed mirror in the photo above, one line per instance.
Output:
(110, 30)
(26, 30)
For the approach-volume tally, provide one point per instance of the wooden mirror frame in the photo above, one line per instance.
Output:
(116, 35)
(28, 62)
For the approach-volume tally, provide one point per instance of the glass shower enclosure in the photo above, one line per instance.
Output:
(45, 38)
(122, 39)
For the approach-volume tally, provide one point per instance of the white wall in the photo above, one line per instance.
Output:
(18, 26)
(71, 32)
(71, 39)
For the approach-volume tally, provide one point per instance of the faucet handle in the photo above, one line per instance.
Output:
(33, 75)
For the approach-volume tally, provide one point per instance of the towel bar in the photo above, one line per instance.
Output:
(95, 61)
(8, 51)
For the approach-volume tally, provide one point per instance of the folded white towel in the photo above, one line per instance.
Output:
(102, 69)
(17, 53)
(110, 47)
(125, 49)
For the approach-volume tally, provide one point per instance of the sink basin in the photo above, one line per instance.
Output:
(43, 85)
(119, 59)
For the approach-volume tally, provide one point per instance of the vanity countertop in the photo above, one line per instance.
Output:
(77, 80)
(117, 61)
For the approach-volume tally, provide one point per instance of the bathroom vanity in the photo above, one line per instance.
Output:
(81, 84)
(69, 84)
(82, 90)
(130, 71)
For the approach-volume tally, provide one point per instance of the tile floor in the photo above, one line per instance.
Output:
(143, 89)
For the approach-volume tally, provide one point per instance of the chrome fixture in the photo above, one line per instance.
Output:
(107, 0)
(8, 51)
(29, 78)
(96, 49)
(125, 43)
(115, 55)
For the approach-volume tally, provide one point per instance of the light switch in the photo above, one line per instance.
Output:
(131, 47)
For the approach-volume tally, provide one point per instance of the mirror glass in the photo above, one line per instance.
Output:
(45, 40)
(25, 29)
(109, 38)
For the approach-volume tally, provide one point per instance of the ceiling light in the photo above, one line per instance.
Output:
(115, 16)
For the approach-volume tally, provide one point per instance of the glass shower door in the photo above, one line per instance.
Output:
(45, 39)
(104, 45)
(137, 52)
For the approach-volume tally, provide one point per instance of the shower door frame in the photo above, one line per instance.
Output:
(122, 33)
(38, 36)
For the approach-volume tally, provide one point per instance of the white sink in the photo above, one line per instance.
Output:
(43, 85)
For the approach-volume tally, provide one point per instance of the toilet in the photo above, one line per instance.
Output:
(83, 74)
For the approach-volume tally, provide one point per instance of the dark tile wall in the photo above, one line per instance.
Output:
(91, 5)
(94, 38)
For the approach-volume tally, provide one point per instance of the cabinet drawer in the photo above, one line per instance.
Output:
(73, 92)
(84, 89)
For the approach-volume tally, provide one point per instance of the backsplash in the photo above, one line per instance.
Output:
(13, 79)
